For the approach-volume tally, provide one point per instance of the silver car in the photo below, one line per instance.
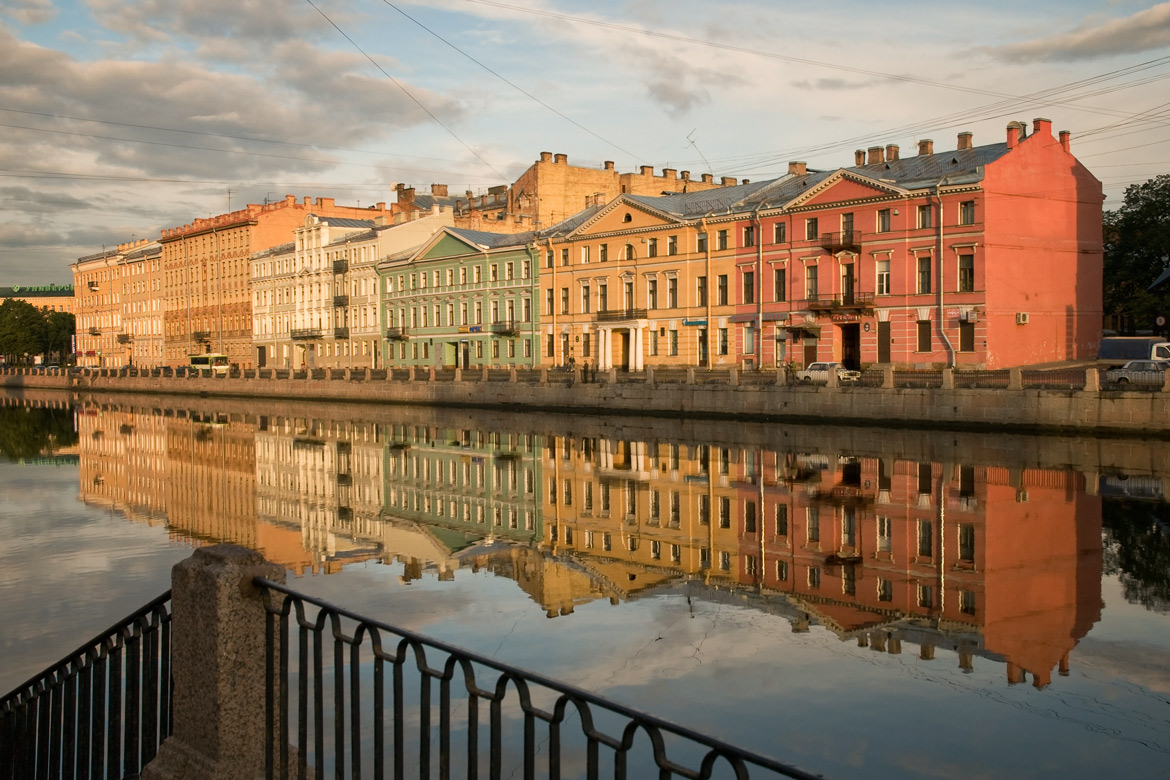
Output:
(819, 372)
(1139, 372)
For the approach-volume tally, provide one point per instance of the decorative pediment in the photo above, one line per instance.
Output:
(446, 244)
(845, 186)
(624, 214)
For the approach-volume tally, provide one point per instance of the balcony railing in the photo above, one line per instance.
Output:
(836, 242)
(856, 300)
(304, 334)
(341, 333)
(201, 335)
(397, 334)
(618, 315)
(341, 300)
(506, 328)
(93, 286)
(125, 338)
(95, 331)
(340, 266)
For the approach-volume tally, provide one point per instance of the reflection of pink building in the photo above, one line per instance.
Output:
(985, 256)
(977, 559)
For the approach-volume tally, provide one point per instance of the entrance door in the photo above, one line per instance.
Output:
(625, 348)
(883, 339)
(702, 347)
(810, 351)
(466, 349)
(261, 357)
(851, 345)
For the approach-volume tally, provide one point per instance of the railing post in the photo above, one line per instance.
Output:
(1015, 379)
(1166, 382)
(733, 377)
(948, 378)
(544, 376)
(887, 377)
(831, 378)
(1092, 380)
(431, 374)
(512, 374)
(458, 374)
(650, 376)
(690, 375)
(218, 667)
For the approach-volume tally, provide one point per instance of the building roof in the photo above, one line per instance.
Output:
(346, 222)
(488, 240)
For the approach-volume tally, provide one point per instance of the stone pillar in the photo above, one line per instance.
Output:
(458, 374)
(690, 375)
(484, 375)
(512, 374)
(218, 667)
(348, 374)
(544, 376)
(431, 374)
(1092, 380)
(887, 377)
(650, 375)
(1166, 382)
(948, 378)
(612, 375)
(733, 377)
(831, 378)
(1015, 379)
(410, 374)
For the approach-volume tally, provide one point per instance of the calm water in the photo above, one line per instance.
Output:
(861, 603)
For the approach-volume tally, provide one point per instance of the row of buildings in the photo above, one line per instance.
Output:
(975, 257)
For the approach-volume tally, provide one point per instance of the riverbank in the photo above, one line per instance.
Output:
(726, 395)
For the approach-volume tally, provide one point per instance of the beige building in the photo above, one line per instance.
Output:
(117, 306)
(315, 300)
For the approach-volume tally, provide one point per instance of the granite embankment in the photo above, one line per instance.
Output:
(1100, 412)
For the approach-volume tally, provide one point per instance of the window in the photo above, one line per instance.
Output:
(810, 282)
(883, 277)
(723, 341)
(652, 294)
(967, 212)
(966, 336)
(923, 336)
(475, 274)
(672, 245)
(564, 300)
(782, 520)
(924, 275)
(967, 542)
(721, 239)
(629, 252)
(701, 291)
(884, 534)
(883, 221)
(724, 512)
(673, 342)
(628, 288)
(885, 589)
(967, 602)
(810, 229)
(701, 242)
(782, 571)
(652, 247)
(550, 346)
(814, 576)
(847, 223)
(749, 287)
(924, 216)
(585, 299)
(548, 259)
(565, 256)
(926, 596)
(749, 236)
(780, 232)
(493, 272)
(603, 253)
(749, 517)
(925, 538)
(672, 293)
(653, 343)
(721, 290)
(602, 296)
(548, 301)
(525, 269)
(584, 255)
(812, 528)
(966, 273)
(508, 271)
(779, 284)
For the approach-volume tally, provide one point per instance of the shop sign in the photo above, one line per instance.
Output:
(695, 323)
(845, 317)
(952, 314)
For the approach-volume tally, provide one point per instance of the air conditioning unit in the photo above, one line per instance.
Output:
(1021, 318)
(970, 315)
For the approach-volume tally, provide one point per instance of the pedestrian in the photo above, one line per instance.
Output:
(585, 372)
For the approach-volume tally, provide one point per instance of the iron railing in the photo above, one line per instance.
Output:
(102, 711)
(348, 695)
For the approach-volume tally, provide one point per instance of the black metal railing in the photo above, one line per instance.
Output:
(506, 328)
(102, 711)
(302, 334)
(617, 315)
(201, 335)
(341, 332)
(835, 242)
(125, 338)
(341, 300)
(340, 266)
(348, 695)
(397, 334)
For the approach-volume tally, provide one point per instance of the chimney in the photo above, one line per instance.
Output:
(926, 146)
(308, 201)
(1064, 136)
(405, 194)
(325, 203)
(964, 140)
(727, 181)
(1039, 123)
(686, 175)
(745, 181)
(669, 173)
(891, 152)
(708, 178)
(646, 170)
(561, 158)
(609, 165)
(380, 220)
(546, 156)
(1013, 134)
(381, 205)
(876, 155)
(797, 168)
(439, 189)
(859, 157)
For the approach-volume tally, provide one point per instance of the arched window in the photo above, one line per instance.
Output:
(629, 251)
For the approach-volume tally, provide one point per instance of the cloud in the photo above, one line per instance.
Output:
(29, 11)
(249, 23)
(831, 84)
(1144, 31)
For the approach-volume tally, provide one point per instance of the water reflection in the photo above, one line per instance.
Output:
(899, 552)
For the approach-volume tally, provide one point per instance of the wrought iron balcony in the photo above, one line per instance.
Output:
(856, 300)
(125, 338)
(93, 286)
(506, 328)
(341, 300)
(836, 242)
(304, 334)
(619, 315)
(95, 331)
(340, 266)
(341, 333)
(397, 334)
(201, 335)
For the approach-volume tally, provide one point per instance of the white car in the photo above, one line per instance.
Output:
(1139, 372)
(819, 372)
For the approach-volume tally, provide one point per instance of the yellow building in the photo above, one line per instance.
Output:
(118, 308)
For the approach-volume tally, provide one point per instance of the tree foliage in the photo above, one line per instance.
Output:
(26, 331)
(26, 432)
(1137, 245)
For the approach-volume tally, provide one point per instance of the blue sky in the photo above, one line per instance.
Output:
(122, 117)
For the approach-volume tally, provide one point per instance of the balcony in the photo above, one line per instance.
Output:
(397, 334)
(850, 301)
(341, 333)
(341, 300)
(506, 328)
(344, 479)
(838, 242)
(93, 286)
(304, 334)
(125, 338)
(95, 331)
(620, 315)
(340, 266)
(201, 335)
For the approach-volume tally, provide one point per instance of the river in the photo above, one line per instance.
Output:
(863, 603)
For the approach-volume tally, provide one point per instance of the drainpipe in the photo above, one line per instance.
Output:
(534, 258)
(759, 285)
(941, 303)
(553, 308)
(710, 289)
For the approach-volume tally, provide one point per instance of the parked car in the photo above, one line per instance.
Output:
(819, 372)
(1139, 372)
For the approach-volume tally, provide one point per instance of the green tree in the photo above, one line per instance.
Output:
(59, 327)
(22, 330)
(1137, 243)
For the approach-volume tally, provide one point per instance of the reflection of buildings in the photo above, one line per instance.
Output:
(123, 462)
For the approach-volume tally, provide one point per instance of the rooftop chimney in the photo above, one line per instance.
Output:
(685, 175)
(708, 178)
(859, 157)
(561, 158)
(439, 190)
(1013, 134)
(1039, 123)
(646, 170)
(891, 152)
(727, 181)
(876, 155)
(546, 156)
(964, 140)
(1064, 136)
(926, 146)
(609, 165)
(797, 168)
(670, 173)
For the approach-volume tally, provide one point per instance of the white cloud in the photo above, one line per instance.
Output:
(1147, 30)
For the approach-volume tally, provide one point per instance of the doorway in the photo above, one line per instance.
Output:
(809, 346)
(261, 357)
(851, 345)
(624, 346)
(883, 342)
(702, 347)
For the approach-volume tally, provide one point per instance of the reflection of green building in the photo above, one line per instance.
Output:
(465, 486)
(464, 299)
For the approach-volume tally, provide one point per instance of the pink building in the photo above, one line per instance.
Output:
(980, 257)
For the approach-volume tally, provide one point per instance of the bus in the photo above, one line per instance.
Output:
(212, 363)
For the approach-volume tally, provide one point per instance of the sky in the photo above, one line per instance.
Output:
(119, 118)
